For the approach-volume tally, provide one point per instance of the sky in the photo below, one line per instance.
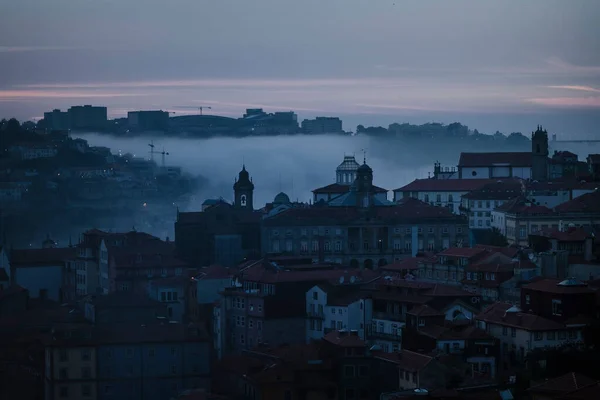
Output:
(494, 64)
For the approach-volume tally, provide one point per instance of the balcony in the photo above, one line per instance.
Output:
(386, 316)
(385, 335)
(315, 314)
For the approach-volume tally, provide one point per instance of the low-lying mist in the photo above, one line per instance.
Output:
(293, 164)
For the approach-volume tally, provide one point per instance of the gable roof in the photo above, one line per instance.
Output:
(563, 384)
(20, 258)
(497, 314)
(589, 202)
(444, 185)
(337, 188)
(344, 339)
(514, 159)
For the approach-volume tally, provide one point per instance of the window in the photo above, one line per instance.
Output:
(63, 355)
(338, 231)
(408, 231)
(315, 245)
(178, 271)
(173, 369)
(174, 296)
(572, 334)
(64, 391)
(349, 371)
(513, 332)
(63, 373)
(173, 351)
(151, 352)
(251, 323)
(259, 325)
(562, 335)
(163, 296)
(340, 311)
(85, 355)
(458, 230)
(242, 339)
(504, 331)
(550, 335)
(327, 246)
(86, 373)
(538, 336)
(468, 276)
(556, 307)
(421, 322)
(86, 390)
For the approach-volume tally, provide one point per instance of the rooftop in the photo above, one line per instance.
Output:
(514, 159)
(507, 315)
(344, 339)
(559, 286)
(563, 384)
(445, 185)
(336, 188)
(586, 203)
(57, 256)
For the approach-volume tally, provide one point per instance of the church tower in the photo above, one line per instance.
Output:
(364, 185)
(539, 154)
(243, 190)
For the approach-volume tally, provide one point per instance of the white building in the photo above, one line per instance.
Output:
(520, 333)
(440, 192)
(479, 204)
(386, 333)
(338, 307)
(495, 165)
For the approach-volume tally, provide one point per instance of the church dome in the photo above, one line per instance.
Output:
(349, 164)
(364, 168)
(281, 198)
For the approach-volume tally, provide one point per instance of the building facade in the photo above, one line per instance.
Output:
(322, 125)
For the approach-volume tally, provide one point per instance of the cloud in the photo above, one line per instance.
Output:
(567, 102)
(32, 94)
(576, 87)
(21, 49)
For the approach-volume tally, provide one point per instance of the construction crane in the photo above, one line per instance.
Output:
(152, 152)
(201, 108)
(164, 153)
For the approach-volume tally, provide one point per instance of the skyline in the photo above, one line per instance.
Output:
(381, 61)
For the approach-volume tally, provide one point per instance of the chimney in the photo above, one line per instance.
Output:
(342, 333)
(353, 332)
(167, 239)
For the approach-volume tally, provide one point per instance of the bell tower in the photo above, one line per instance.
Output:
(539, 154)
(243, 190)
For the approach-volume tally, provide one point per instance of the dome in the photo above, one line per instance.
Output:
(281, 198)
(364, 168)
(349, 164)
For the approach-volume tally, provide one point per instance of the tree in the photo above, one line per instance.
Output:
(13, 125)
(360, 128)
(493, 237)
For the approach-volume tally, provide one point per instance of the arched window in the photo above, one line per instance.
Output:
(243, 200)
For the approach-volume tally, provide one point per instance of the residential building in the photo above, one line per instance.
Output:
(337, 307)
(559, 300)
(71, 364)
(154, 361)
(521, 332)
(441, 192)
(122, 307)
(172, 291)
(517, 218)
(148, 120)
(554, 193)
(322, 125)
(267, 303)
(566, 164)
(56, 120)
(33, 151)
(416, 370)
(478, 204)
(593, 162)
(87, 117)
(47, 273)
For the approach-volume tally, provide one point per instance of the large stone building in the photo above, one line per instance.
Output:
(221, 233)
(360, 229)
(525, 165)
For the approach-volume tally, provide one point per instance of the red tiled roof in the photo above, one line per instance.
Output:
(550, 285)
(496, 314)
(42, 257)
(424, 310)
(507, 251)
(408, 264)
(406, 210)
(515, 159)
(447, 290)
(520, 205)
(467, 252)
(445, 185)
(407, 360)
(341, 189)
(563, 384)
(500, 190)
(586, 203)
(344, 339)
(594, 158)
(216, 272)
(570, 235)
(266, 274)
